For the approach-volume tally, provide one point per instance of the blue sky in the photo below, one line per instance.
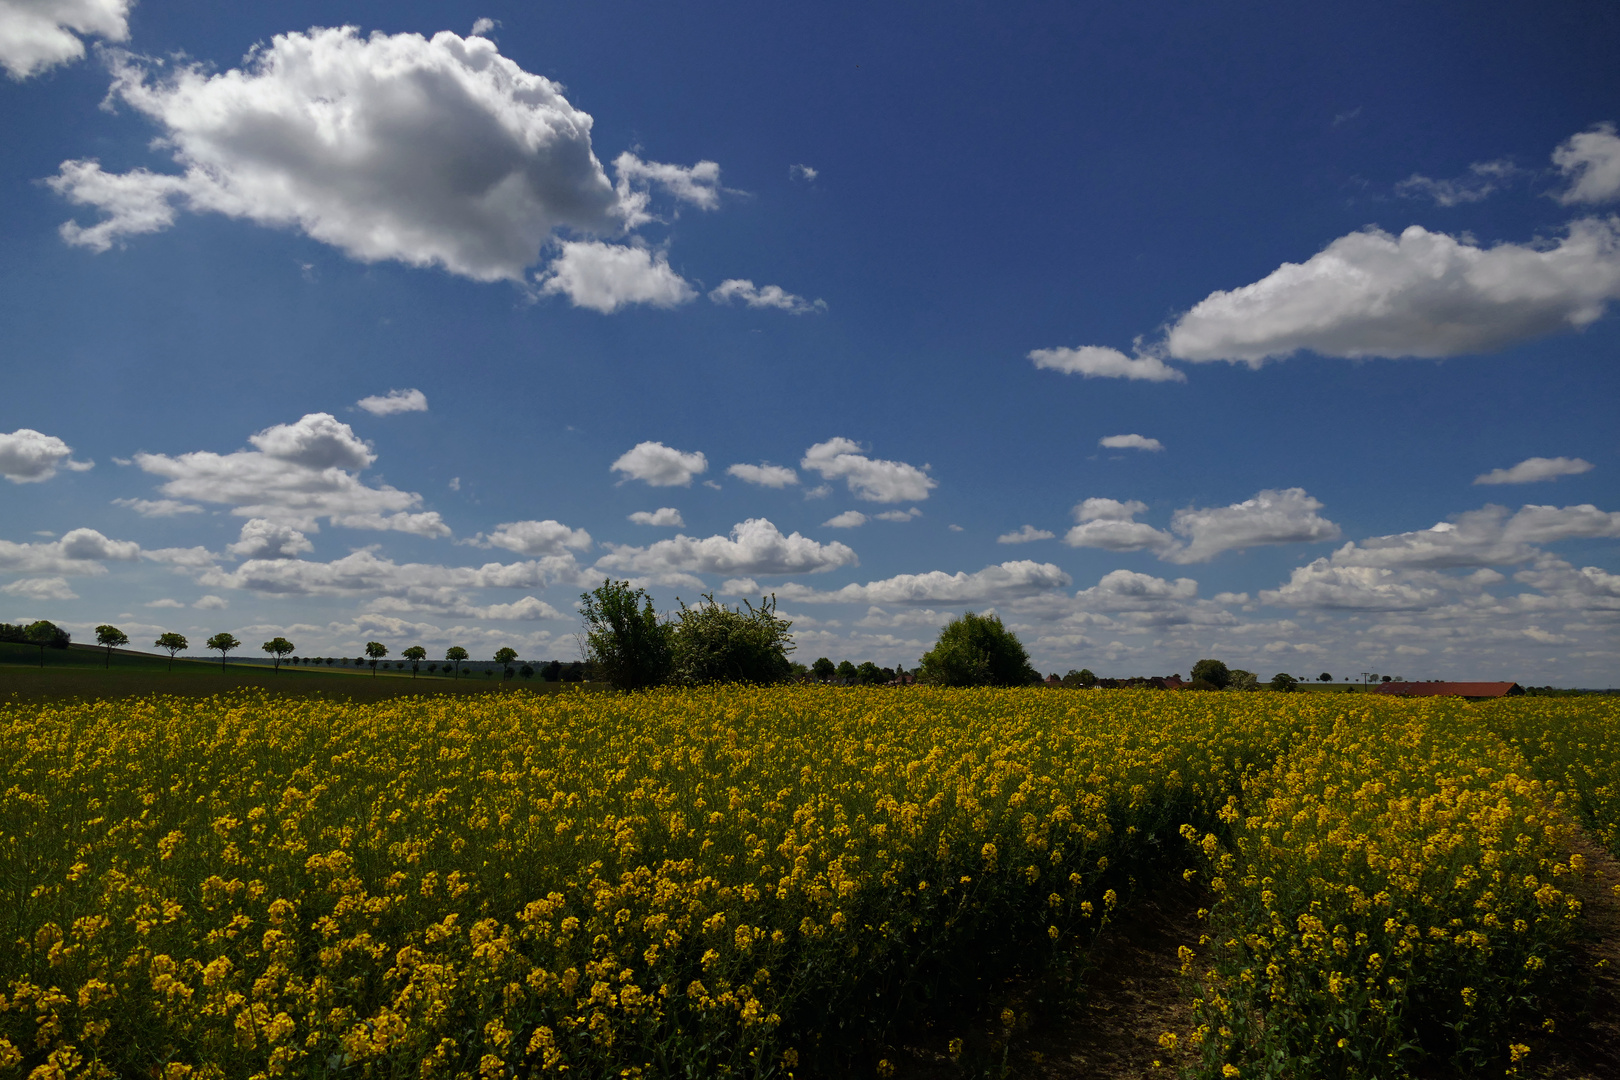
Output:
(1274, 334)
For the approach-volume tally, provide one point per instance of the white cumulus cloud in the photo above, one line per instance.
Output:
(1590, 162)
(1102, 362)
(606, 277)
(872, 479)
(755, 546)
(1533, 469)
(536, 538)
(1421, 294)
(395, 401)
(1490, 536)
(79, 552)
(658, 465)
(1110, 525)
(1321, 584)
(262, 539)
(1198, 535)
(28, 456)
(770, 296)
(316, 441)
(36, 35)
(1129, 442)
(664, 515)
(1288, 516)
(298, 473)
(849, 519)
(436, 151)
(764, 475)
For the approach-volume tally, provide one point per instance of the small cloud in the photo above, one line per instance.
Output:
(606, 277)
(211, 603)
(769, 296)
(1483, 179)
(1102, 362)
(658, 465)
(123, 461)
(1025, 535)
(803, 172)
(1533, 469)
(872, 479)
(41, 588)
(820, 491)
(164, 603)
(455, 483)
(1340, 119)
(1129, 442)
(898, 515)
(664, 515)
(849, 519)
(395, 401)
(764, 475)
(954, 528)
(1590, 161)
(482, 26)
(28, 456)
(712, 484)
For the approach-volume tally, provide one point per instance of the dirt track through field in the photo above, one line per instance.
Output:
(1135, 992)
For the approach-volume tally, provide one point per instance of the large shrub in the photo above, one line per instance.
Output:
(630, 645)
(714, 643)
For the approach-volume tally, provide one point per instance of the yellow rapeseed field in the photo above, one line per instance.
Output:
(750, 882)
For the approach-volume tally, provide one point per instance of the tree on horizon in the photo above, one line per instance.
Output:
(224, 643)
(112, 638)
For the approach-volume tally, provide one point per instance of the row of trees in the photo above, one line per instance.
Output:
(863, 674)
(633, 647)
(46, 634)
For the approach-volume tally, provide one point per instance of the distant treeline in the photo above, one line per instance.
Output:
(546, 670)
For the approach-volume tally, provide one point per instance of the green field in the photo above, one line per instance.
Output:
(84, 671)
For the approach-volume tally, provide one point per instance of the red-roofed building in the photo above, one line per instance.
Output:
(1473, 691)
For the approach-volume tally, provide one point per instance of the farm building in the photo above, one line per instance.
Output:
(1473, 691)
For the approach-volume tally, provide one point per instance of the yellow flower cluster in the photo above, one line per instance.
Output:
(694, 882)
(1573, 744)
(742, 882)
(1394, 890)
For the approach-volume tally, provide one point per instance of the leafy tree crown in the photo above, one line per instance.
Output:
(977, 650)
(1213, 672)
